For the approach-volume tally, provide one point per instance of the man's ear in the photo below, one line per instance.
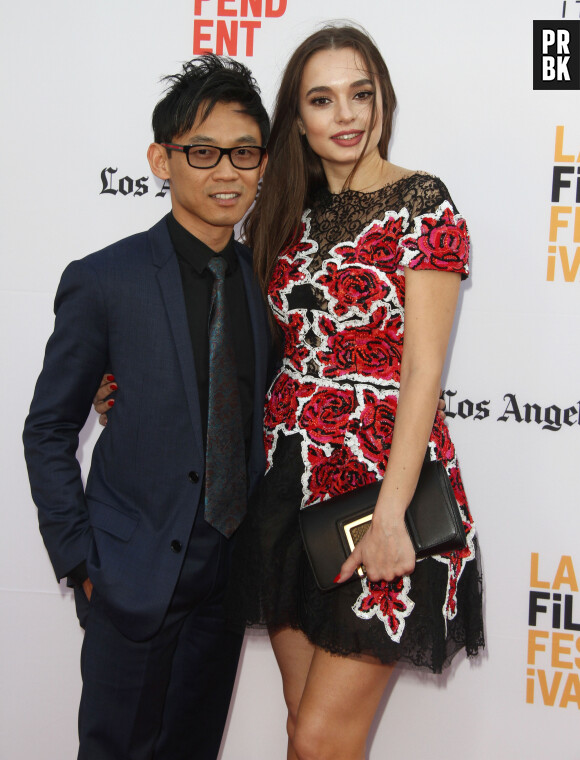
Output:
(158, 161)
(263, 165)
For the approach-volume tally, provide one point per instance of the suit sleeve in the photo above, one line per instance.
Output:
(76, 358)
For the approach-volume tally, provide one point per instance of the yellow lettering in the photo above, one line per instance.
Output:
(530, 687)
(535, 646)
(558, 650)
(535, 557)
(577, 225)
(549, 694)
(571, 692)
(569, 270)
(558, 151)
(556, 222)
(565, 575)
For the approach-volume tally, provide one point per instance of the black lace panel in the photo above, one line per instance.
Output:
(341, 217)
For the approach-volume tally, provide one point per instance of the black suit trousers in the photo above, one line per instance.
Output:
(165, 698)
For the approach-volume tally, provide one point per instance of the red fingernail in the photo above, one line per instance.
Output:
(336, 580)
(110, 377)
(114, 386)
(111, 402)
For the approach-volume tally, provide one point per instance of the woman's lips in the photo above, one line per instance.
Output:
(347, 139)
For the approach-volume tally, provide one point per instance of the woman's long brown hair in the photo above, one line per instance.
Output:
(294, 172)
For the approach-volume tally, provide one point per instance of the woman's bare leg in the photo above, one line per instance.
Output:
(294, 655)
(338, 706)
(331, 700)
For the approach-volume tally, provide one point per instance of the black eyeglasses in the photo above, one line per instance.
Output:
(208, 156)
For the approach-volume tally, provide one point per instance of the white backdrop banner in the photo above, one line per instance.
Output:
(488, 99)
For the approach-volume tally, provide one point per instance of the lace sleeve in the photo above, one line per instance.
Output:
(437, 237)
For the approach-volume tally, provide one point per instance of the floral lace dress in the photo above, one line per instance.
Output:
(338, 296)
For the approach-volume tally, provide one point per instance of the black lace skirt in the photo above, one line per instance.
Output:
(272, 585)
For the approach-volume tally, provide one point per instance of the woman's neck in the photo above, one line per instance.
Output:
(372, 173)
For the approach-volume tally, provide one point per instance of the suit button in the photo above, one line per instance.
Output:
(175, 546)
(193, 477)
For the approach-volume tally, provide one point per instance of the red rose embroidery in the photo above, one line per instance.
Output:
(443, 443)
(326, 414)
(442, 244)
(353, 287)
(300, 243)
(458, 559)
(268, 443)
(374, 435)
(284, 272)
(458, 490)
(377, 247)
(384, 597)
(366, 350)
(295, 350)
(456, 565)
(282, 401)
(335, 474)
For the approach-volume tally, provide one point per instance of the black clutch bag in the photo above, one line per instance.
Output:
(332, 528)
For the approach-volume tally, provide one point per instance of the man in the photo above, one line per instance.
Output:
(148, 542)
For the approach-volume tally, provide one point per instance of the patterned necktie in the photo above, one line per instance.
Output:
(225, 463)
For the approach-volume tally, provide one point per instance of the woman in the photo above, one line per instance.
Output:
(363, 285)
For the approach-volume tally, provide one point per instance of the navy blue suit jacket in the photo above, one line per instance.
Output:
(123, 309)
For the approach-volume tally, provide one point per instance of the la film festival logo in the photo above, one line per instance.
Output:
(553, 667)
(564, 233)
(229, 27)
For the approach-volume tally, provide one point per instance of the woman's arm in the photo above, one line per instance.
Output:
(430, 300)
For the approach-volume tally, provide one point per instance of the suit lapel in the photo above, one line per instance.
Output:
(169, 278)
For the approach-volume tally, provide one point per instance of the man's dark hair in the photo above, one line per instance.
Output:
(207, 80)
